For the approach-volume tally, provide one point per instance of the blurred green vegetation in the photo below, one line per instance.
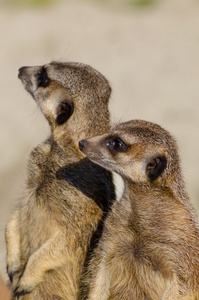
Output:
(28, 2)
(141, 3)
(137, 3)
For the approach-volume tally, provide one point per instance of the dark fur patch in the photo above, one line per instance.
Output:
(96, 183)
(43, 80)
(84, 174)
(155, 167)
(64, 111)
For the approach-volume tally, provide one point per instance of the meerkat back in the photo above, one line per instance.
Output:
(58, 221)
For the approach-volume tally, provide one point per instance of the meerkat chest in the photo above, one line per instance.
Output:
(130, 255)
(37, 225)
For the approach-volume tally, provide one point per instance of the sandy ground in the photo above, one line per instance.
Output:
(150, 56)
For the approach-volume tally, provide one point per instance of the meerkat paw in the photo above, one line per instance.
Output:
(19, 293)
(13, 270)
(23, 288)
(27, 282)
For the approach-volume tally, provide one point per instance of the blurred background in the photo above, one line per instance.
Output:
(147, 49)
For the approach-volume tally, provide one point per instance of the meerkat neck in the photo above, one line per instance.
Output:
(74, 133)
(150, 205)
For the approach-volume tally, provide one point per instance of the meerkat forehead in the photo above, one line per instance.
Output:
(90, 81)
(144, 132)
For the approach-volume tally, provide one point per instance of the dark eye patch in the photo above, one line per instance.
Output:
(64, 111)
(115, 144)
(43, 80)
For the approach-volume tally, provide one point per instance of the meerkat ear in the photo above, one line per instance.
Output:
(155, 167)
(64, 111)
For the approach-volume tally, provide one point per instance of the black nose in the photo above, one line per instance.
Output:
(21, 71)
(82, 144)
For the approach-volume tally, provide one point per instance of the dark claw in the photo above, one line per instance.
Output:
(11, 274)
(18, 293)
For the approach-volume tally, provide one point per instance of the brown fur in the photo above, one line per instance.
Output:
(48, 235)
(149, 249)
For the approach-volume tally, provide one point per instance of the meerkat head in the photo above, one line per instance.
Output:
(138, 150)
(72, 96)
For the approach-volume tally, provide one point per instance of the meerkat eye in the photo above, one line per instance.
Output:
(43, 80)
(116, 144)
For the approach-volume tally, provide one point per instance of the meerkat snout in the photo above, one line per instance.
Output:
(21, 72)
(23, 76)
(82, 144)
(33, 78)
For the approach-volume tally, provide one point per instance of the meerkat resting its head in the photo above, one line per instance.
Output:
(149, 248)
(49, 234)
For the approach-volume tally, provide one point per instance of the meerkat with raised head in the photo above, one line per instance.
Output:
(48, 236)
(149, 249)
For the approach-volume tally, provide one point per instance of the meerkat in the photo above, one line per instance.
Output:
(66, 196)
(149, 249)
